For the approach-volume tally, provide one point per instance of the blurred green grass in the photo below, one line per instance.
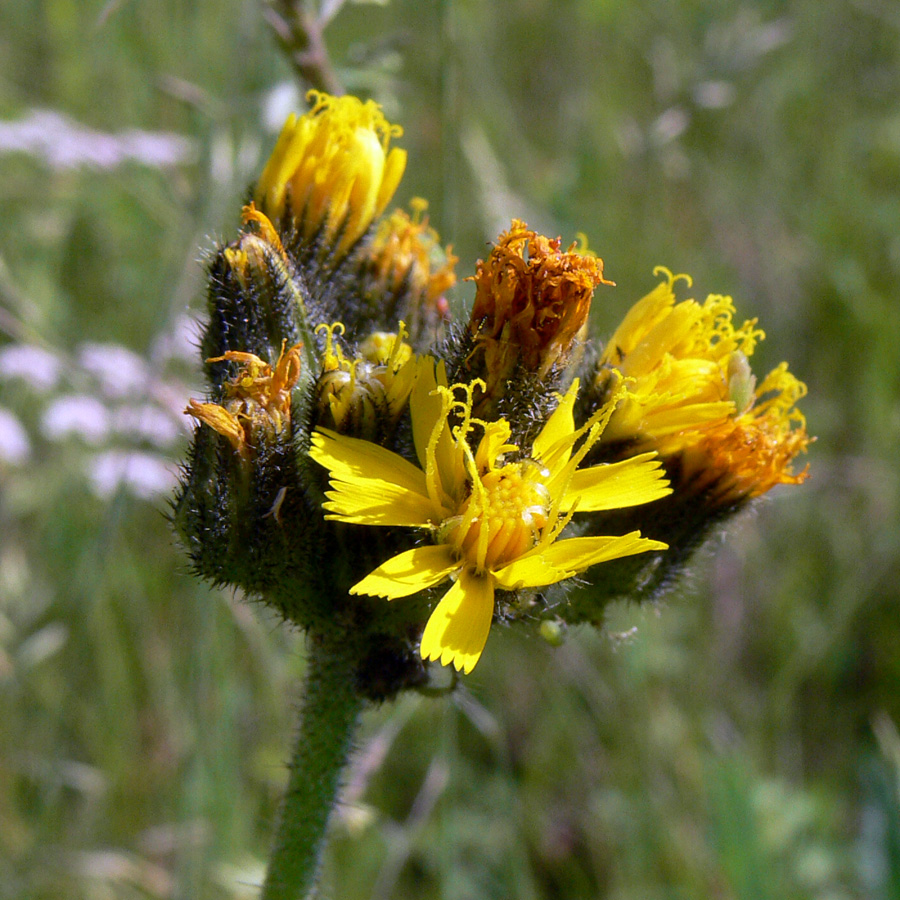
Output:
(738, 742)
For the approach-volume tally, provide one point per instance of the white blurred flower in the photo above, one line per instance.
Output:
(76, 414)
(714, 94)
(15, 448)
(284, 99)
(64, 143)
(148, 423)
(143, 474)
(180, 342)
(120, 371)
(37, 366)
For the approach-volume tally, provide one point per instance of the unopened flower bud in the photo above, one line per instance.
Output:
(409, 272)
(553, 632)
(332, 172)
(531, 305)
(365, 395)
(257, 299)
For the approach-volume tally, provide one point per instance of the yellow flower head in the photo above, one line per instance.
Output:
(332, 168)
(357, 395)
(532, 300)
(258, 399)
(690, 394)
(494, 514)
(746, 455)
(405, 254)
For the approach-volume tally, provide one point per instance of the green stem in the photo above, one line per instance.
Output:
(328, 716)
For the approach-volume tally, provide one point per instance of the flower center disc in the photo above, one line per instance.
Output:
(504, 515)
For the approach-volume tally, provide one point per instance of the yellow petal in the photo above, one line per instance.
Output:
(664, 334)
(426, 406)
(458, 628)
(531, 571)
(563, 559)
(641, 318)
(493, 444)
(553, 446)
(409, 572)
(616, 485)
(361, 462)
(221, 420)
(435, 447)
(271, 185)
(691, 416)
(377, 503)
(394, 166)
(356, 206)
(577, 554)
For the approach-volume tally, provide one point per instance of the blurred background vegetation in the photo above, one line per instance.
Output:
(738, 742)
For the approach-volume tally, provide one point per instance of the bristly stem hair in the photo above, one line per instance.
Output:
(328, 717)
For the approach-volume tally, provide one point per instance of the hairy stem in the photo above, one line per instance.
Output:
(328, 716)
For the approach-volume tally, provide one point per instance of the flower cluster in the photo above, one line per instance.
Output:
(473, 473)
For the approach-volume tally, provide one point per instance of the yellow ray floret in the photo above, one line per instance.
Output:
(493, 513)
(674, 357)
